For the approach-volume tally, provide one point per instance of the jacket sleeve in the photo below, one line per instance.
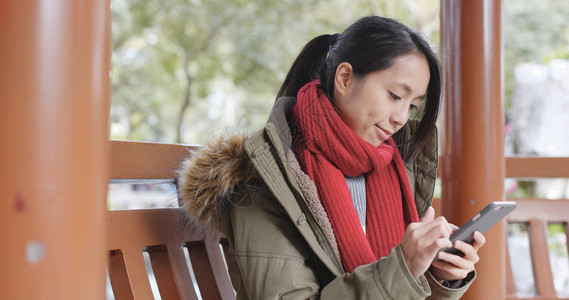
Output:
(438, 291)
(275, 262)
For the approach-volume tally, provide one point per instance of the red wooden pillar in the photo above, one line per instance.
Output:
(473, 166)
(54, 106)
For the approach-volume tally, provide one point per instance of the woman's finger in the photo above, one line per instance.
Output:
(479, 240)
(470, 253)
(454, 227)
(438, 227)
(439, 244)
(448, 271)
(457, 261)
(429, 215)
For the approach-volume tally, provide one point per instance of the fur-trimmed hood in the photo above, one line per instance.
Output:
(209, 177)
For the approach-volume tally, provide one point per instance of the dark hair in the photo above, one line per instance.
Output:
(370, 44)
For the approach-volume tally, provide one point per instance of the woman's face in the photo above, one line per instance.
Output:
(379, 104)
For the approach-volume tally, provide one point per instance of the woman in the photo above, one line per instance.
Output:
(320, 203)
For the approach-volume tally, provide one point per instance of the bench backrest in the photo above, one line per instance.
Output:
(160, 233)
(537, 214)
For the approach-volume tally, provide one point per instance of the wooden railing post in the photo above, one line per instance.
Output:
(472, 161)
(54, 109)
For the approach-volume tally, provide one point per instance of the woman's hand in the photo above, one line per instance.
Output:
(422, 241)
(453, 267)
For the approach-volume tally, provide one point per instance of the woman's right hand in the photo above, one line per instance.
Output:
(423, 240)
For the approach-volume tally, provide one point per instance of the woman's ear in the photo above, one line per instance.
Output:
(343, 79)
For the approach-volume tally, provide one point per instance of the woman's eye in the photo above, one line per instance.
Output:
(395, 97)
(414, 107)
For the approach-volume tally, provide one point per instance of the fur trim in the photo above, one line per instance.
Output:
(209, 176)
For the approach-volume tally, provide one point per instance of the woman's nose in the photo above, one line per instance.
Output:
(399, 117)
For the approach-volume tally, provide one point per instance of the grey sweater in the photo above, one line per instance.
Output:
(357, 186)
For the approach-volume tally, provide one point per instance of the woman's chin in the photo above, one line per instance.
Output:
(374, 141)
(377, 144)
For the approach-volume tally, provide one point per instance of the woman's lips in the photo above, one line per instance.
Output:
(383, 134)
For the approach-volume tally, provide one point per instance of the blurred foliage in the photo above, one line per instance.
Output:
(524, 189)
(557, 239)
(183, 70)
(534, 31)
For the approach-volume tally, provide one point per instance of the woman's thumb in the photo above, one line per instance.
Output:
(429, 215)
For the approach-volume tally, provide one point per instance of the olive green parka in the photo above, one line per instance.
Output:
(281, 243)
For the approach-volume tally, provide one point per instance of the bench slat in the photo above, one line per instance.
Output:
(141, 160)
(119, 277)
(203, 270)
(181, 273)
(540, 257)
(162, 269)
(534, 167)
(510, 284)
(137, 274)
(550, 210)
(219, 269)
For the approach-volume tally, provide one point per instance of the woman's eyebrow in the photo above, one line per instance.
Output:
(407, 88)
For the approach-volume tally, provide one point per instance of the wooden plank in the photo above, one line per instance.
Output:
(541, 167)
(540, 258)
(554, 211)
(181, 272)
(137, 273)
(119, 277)
(149, 227)
(510, 284)
(220, 273)
(203, 270)
(142, 160)
(162, 269)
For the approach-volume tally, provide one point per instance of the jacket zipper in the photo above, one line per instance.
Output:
(315, 225)
(310, 218)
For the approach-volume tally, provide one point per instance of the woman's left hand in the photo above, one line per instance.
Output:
(454, 267)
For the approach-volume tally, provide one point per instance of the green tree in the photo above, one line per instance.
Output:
(178, 65)
(166, 50)
(534, 31)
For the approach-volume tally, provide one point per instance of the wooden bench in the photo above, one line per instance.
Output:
(537, 214)
(160, 233)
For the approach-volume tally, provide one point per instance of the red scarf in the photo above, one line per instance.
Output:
(328, 151)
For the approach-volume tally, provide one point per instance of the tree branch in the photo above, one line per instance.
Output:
(207, 41)
(185, 102)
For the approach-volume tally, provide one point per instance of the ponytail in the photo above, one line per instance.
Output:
(307, 66)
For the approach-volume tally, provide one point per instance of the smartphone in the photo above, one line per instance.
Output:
(482, 221)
